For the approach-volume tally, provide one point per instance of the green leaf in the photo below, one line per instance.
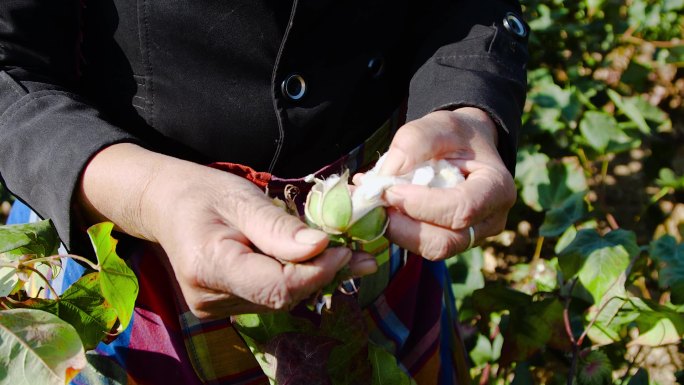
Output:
(531, 328)
(631, 110)
(496, 297)
(386, 371)
(264, 326)
(117, 281)
(566, 178)
(669, 257)
(82, 306)
(544, 20)
(8, 280)
(102, 370)
(482, 353)
(603, 133)
(560, 218)
(550, 97)
(85, 307)
(658, 325)
(594, 5)
(531, 172)
(599, 262)
(348, 362)
(545, 184)
(601, 334)
(465, 270)
(38, 238)
(540, 275)
(531, 325)
(38, 348)
(668, 178)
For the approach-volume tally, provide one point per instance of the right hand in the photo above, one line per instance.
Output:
(232, 250)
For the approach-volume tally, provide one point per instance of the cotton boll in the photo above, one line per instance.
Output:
(423, 176)
(447, 176)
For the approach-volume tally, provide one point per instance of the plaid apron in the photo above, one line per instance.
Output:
(408, 307)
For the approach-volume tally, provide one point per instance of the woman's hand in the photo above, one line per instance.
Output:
(433, 222)
(232, 250)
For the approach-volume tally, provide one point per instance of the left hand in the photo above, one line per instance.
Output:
(433, 222)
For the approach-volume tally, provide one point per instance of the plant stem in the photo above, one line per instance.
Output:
(658, 44)
(538, 248)
(566, 314)
(593, 320)
(632, 364)
(568, 331)
(586, 165)
(33, 269)
(604, 170)
(484, 378)
(612, 222)
(654, 199)
(72, 256)
(573, 365)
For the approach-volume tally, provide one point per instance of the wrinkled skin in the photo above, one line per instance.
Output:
(433, 222)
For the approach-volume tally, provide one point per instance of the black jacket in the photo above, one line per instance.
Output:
(208, 80)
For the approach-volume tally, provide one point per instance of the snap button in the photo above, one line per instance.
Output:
(376, 66)
(514, 25)
(293, 87)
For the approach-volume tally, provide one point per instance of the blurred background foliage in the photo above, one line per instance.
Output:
(586, 285)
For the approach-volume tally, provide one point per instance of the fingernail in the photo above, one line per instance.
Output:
(310, 236)
(365, 267)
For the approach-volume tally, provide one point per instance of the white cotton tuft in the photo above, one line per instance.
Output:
(438, 174)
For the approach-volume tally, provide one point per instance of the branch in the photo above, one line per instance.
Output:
(72, 256)
(594, 319)
(538, 248)
(566, 314)
(674, 43)
(33, 269)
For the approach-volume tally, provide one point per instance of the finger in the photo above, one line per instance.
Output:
(232, 267)
(433, 242)
(270, 228)
(211, 304)
(420, 140)
(362, 263)
(485, 192)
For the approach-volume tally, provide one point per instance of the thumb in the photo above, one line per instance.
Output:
(396, 162)
(277, 233)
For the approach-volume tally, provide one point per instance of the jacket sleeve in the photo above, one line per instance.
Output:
(48, 132)
(471, 57)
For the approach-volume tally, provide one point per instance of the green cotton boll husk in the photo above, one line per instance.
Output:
(370, 227)
(328, 204)
(312, 208)
(336, 207)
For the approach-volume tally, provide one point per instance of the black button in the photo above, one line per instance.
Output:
(376, 66)
(293, 87)
(515, 25)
